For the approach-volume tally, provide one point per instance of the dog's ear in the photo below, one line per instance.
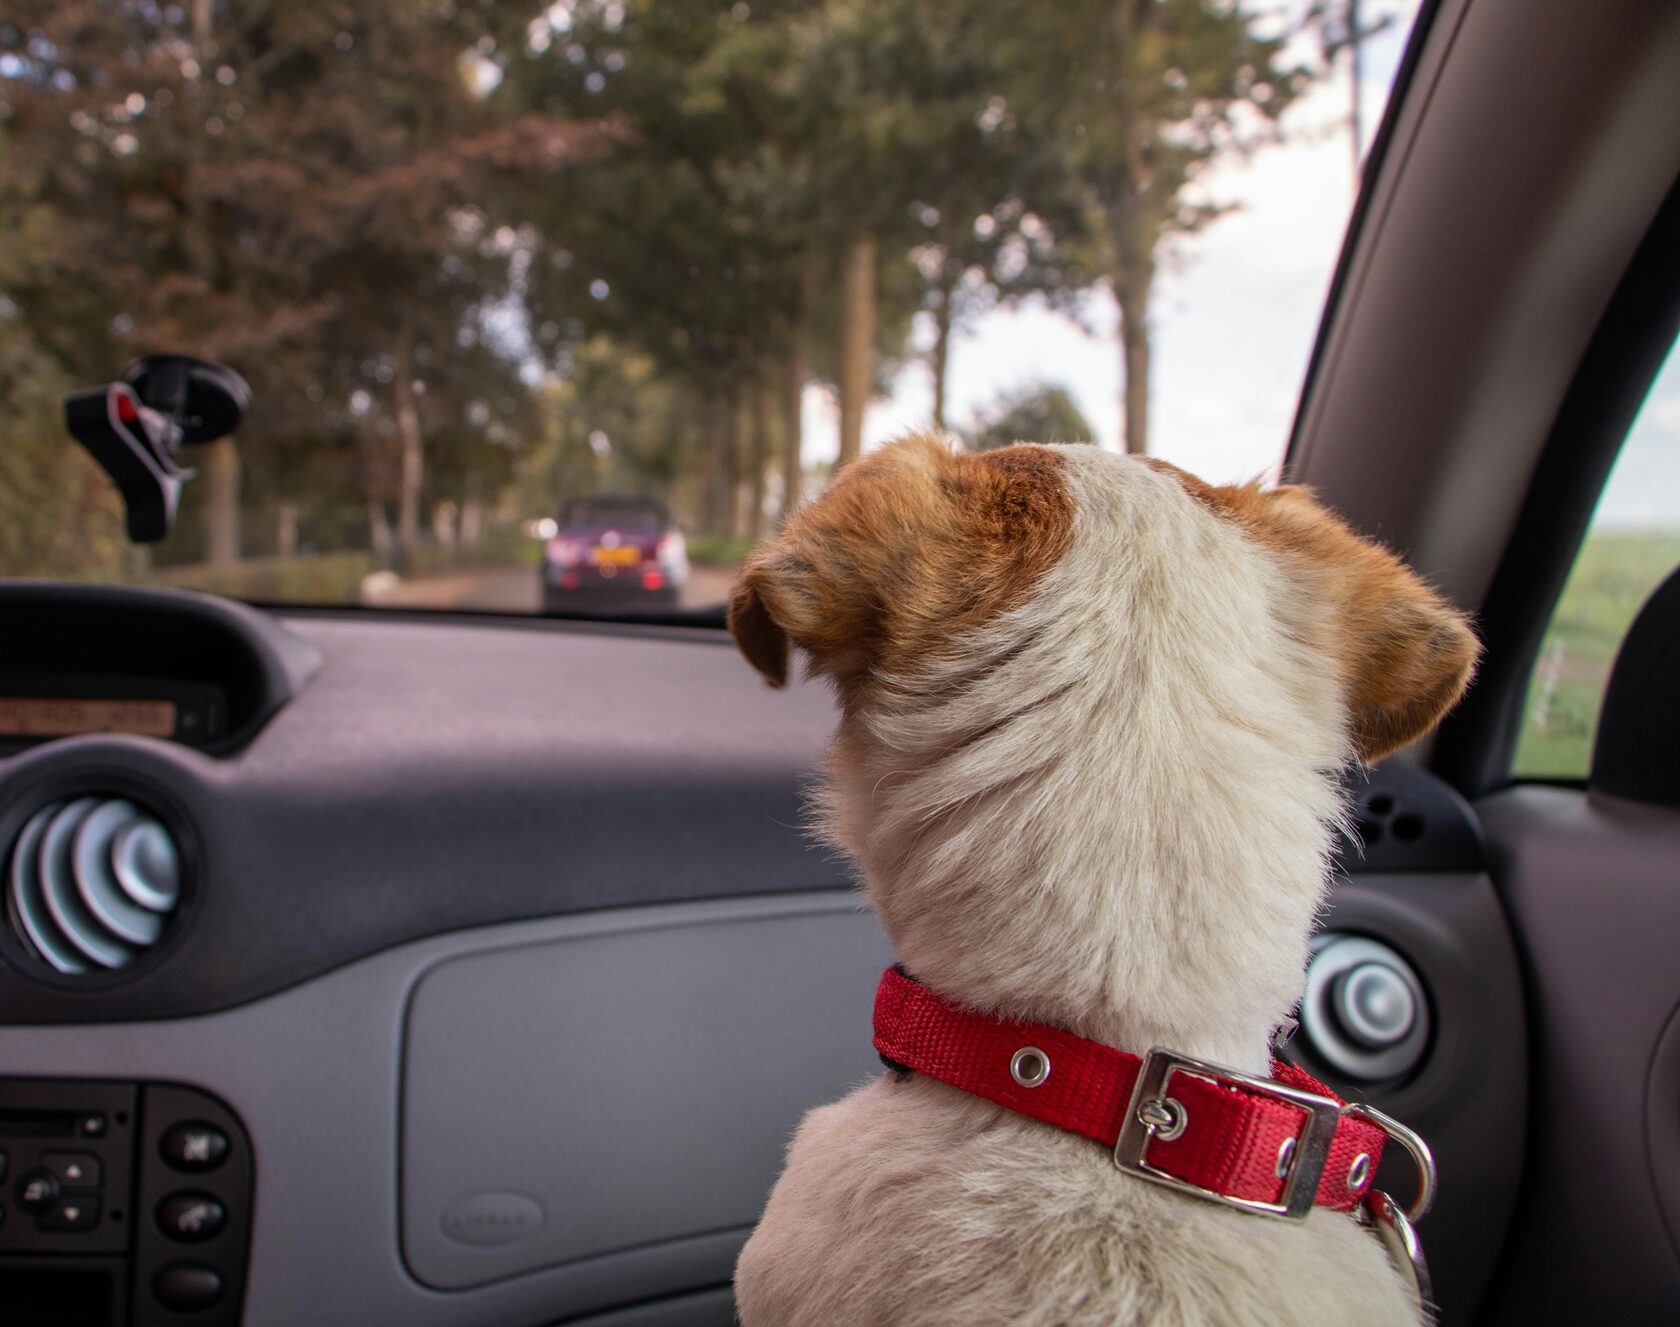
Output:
(758, 635)
(824, 581)
(811, 586)
(1407, 655)
(1413, 655)
(908, 547)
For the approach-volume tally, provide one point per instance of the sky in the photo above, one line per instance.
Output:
(1643, 491)
(1235, 313)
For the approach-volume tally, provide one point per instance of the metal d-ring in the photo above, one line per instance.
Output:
(1422, 1157)
(1383, 1215)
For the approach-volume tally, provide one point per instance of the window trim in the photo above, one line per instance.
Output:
(1477, 742)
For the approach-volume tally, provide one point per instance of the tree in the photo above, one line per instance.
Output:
(958, 172)
(1043, 413)
(914, 166)
(695, 248)
(740, 231)
(613, 423)
(314, 193)
(1139, 96)
(59, 515)
(1340, 25)
(398, 220)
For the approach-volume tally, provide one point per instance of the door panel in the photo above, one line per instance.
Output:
(1592, 890)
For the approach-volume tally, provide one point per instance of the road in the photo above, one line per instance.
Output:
(515, 590)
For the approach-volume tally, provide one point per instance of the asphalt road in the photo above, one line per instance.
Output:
(515, 590)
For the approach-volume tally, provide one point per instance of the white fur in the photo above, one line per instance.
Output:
(1110, 809)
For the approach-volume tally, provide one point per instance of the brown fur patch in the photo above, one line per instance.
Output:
(909, 546)
(1406, 653)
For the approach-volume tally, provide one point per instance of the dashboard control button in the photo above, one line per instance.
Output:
(1364, 1010)
(187, 1286)
(194, 1145)
(1373, 1005)
(74, 1170)
(37, 1191)
(76, 1212)
(191, 1217)
(91, 1126)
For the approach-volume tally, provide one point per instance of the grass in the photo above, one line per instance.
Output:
(1614, 574)
(715, 550)
(336, 578)
(319, 578)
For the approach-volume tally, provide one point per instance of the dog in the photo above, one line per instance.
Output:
(1093, 718)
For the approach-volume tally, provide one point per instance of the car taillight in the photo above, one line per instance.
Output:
(564, 552)
(653, 580)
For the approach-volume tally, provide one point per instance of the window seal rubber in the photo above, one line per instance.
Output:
(1477, 741)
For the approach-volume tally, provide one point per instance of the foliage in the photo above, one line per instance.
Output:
(58, 513)
(306, 191)
(487, 255)
(319, 578)
(613, 424)
(710, 550)
(1137, 98)
(1044, 413)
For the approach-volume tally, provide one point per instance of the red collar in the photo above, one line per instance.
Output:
(1275, 1145)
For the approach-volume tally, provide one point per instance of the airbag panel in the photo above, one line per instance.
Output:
(577, 1098)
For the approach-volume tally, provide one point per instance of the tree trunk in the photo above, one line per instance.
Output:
(221, 507)
(286, 529)
(715, 467)
(941, 344)
(412, 473)
(734, 440)
(444, 518)
(1133, 221)
(379, 531)
(1356, 37)
(760, 465)
(857, 343)
(221, 458)
(793, 390)
(1131, 292)
(472, 518)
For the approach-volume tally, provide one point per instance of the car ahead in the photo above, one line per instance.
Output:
(613, 552)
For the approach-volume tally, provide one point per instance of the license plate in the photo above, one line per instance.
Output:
(615, 557)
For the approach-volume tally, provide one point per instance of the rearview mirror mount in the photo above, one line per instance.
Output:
(135, 427)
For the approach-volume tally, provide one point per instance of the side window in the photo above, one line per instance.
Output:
(1632, 545)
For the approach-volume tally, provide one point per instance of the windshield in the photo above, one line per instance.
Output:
(556, 307)
(601, 513)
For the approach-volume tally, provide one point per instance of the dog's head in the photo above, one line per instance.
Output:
(1093, 713)
(918, 544)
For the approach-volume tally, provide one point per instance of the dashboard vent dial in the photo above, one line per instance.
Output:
(91, 883)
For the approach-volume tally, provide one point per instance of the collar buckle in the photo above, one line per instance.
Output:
(1150, 1116)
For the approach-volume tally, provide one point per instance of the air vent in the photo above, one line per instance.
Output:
(91, 884)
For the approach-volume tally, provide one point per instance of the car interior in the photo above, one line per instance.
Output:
(488, 965)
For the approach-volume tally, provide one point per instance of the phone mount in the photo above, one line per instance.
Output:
(135, 427)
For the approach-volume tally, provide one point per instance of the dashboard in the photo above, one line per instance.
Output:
(498, 961)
